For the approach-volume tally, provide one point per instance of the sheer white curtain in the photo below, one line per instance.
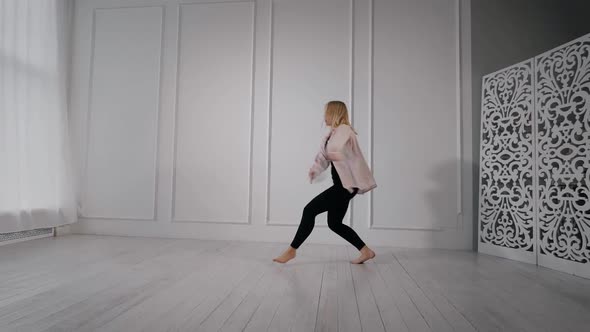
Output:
(36, 180)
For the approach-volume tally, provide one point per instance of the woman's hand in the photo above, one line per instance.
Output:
(312, 174)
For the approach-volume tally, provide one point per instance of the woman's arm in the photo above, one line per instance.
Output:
(320, 163)
(337, 146)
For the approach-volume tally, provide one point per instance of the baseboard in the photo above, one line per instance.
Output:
(453, 240)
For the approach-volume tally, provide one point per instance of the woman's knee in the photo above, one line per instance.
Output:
(334, 225)
(309, 210)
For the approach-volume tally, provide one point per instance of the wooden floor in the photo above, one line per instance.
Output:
(123, 284)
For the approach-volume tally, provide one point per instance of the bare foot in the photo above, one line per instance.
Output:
(286, 256)
(366, 254)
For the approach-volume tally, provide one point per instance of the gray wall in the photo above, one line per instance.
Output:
(505, 32)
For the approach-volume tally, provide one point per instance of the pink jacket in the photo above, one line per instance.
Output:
(343, 150)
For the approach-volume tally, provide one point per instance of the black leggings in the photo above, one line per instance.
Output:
(334, 200)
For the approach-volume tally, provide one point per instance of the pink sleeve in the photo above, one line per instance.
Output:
(320, 162)
(337, 148)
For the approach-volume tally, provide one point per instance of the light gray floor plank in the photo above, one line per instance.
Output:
(327, 316)
(348, 310)
(50, 297)
(457, 278)
(269, 284)
(370, 316)
(263, 314)
(210, 314)
(53, 307)
(101, 283)
(429, 288)
(410, 314)
(171, 307)
(388, 308)
(433, 317)
(261, 268)
(300, 299)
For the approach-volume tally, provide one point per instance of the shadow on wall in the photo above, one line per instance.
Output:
(443, 200)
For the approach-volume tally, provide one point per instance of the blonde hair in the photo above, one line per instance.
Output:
(337, 114)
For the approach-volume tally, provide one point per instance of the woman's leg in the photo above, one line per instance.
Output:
(336, 215)
(321, 203)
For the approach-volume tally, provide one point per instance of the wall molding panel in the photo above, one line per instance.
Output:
(89, 139)
(214, 9)
(294, 220)
(459, 137)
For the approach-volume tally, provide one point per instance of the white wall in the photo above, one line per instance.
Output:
(201, 119)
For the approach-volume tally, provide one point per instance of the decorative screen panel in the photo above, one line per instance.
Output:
(563, 151)
(507, 170)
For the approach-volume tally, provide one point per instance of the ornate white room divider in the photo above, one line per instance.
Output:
(535, 160)
(507, 225)
(562, 105)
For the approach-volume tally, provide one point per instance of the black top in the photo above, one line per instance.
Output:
(335, 176)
